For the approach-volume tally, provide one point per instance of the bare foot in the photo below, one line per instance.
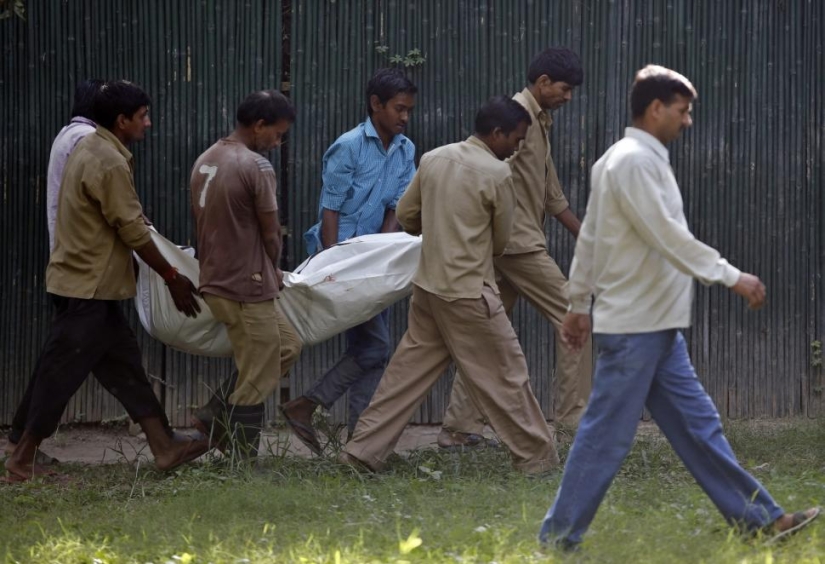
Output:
(40, 458)
(21, 471)
(180, 452)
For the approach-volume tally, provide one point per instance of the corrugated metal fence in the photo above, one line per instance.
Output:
(751, 168)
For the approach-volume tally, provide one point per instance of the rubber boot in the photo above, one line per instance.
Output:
(245, 423)
(169, 454)
(203, 419)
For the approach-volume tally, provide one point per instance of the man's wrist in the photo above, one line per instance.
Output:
(170, 275)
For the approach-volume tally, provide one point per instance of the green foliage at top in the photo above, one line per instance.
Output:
(413, 58)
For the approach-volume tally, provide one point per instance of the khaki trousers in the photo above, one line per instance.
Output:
(537, 278)
(477, 335)
(264, 344)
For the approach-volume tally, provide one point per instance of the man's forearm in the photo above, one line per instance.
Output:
(272, 247)
(390, 224)
(329, 228)
(570, 221)
(151, 255)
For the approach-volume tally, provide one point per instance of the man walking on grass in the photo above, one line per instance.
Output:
(91, 270)
(81, 124)
(461, 201)
(239, 249)
(526, 269)
(366, 170)
(636, 255)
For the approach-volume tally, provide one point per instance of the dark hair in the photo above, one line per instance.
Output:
(84, 98)
(116, 98)
(559, 64)
(387, 84)
(502, 112)
(268, 105)
(657, 83)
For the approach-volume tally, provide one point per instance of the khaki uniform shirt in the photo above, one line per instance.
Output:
(230, 185)
(635, 251)
(99, 222)
(538, 191)
(461, 201)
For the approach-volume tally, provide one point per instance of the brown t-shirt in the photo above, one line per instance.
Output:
(230, 184)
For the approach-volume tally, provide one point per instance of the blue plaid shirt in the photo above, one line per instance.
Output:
(361, 181)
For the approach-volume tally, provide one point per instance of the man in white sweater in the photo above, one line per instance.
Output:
(637, 257)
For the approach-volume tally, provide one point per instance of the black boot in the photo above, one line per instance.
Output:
(245, 423)
(204, 418)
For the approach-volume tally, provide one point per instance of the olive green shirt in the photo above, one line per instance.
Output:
(99, 222)
(538, 191)
(461, 202)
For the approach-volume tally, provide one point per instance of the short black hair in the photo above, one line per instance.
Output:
(657, 83)
(116, 98)
(84, 98)
(387, 84)
(560, 64)
(502, 112)
(268, 105)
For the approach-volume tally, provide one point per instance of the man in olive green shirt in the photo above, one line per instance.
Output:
(461, 202)
(99, 223)
(525, 269)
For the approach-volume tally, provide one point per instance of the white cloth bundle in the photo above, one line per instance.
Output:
(328, 293)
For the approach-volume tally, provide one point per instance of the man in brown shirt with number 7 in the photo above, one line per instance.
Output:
(525, 269)
(239, 248)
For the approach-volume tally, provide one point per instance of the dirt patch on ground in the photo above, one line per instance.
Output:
(106, 445)
(102, 445)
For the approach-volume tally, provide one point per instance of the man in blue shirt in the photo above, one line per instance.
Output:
(366, 171)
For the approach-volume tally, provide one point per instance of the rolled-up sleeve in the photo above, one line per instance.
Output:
(505, 203)
(338, 171)
(120, 206)
(556, 202)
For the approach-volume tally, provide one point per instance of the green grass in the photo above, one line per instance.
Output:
(432, 507)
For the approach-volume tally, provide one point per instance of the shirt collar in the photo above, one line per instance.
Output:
(83, 120)
(369, 131)
(545, 119)
(649, 140)
(473, 140)
(110, 137)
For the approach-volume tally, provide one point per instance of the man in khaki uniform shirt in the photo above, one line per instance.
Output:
(461, 202)
(100, 222)
(525, 268)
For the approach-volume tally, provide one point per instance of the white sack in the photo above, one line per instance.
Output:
(203, 335)
(349, 283)
(328, 293)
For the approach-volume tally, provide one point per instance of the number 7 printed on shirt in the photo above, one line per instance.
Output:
(210, 172)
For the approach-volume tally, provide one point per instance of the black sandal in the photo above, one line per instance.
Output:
(801, 519)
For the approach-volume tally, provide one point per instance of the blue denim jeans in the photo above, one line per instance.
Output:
(653, 370)
(359, 370)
